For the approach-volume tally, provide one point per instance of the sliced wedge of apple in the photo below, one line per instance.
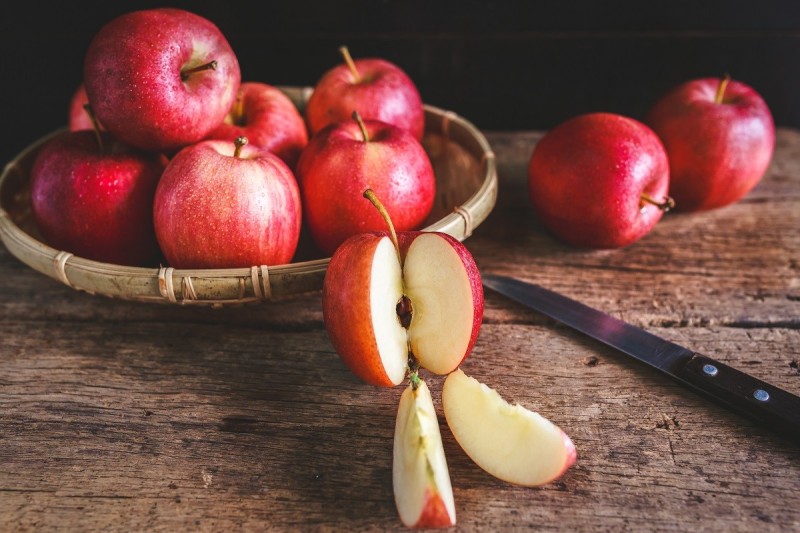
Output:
(421, 480)
(508, 441)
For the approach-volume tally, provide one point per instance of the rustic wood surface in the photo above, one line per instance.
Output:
(122, 416)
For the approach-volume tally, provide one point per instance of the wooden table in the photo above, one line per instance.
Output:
(126, 416)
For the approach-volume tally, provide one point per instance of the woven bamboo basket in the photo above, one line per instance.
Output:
(466, 178)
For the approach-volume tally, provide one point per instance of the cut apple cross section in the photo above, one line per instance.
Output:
(422, 490)
(382, 314)
(508, 441)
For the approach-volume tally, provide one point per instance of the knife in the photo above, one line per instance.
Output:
(744, 394)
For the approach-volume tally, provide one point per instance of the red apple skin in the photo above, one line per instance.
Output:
(214, 210)
(269, 120)
(346, 310)
(385, 93)
(132, 73)
(717, 151)
(96, 205)
(587, 175)
(337, 166)
(434, 514)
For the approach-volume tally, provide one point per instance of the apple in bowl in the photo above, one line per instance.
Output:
(160, 79)
(225, 204)
(346, 158)
(376, 88)
(269, 120)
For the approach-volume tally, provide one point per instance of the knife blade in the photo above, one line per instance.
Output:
(744, 394)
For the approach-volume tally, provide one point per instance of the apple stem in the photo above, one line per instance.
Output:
(95, 126)
(370, 195)
(723, 84)
(361, 125)
(350, 63)
(240, 143)
(413, 372)
(211, 65)
(665, 205)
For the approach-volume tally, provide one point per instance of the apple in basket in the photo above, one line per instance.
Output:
(376, 88)
(223, 204)
(599, 180)
(269, 120)
(719, 136)
(160, 79)
(92, 196)
(79, 118)
(346, 158)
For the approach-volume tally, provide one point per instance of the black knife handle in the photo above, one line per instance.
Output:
(760, 401)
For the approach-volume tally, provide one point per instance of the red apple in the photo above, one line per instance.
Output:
(719, 136)
(79, 117)
(510, 442)
(226, 205)
(420, 478)
(376, 88)
(599, 180)
(389, 304)
(269, 120)
(160, 79)
(344, 159)
(95, 200)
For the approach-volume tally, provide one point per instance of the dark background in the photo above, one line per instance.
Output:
(505, 65)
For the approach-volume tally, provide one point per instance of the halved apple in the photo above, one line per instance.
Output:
(379, 312)
(421, 481)
(508, 441)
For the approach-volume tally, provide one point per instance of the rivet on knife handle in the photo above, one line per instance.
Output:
(760, 401)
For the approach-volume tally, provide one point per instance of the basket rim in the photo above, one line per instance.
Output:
(256, 283)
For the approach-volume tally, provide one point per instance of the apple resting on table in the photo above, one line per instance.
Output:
(269, 120)
(222, 204)
(509, 442)
(599, 180)
(346, 158)
(719, 136)
(387, 298)
(92, 196)
(160, 79)
(376, 88)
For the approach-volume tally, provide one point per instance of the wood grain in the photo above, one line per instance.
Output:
(123, 416)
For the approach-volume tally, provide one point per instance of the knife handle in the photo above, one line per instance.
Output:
(762, 402)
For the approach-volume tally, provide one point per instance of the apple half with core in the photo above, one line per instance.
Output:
(391, 301)
(92, 196)
(222, 204)
(599, 180)
(160, 79)
(719, 136)
(376, 88)
(269, 120)
(507, 441)
(346, 158)
(420, 478)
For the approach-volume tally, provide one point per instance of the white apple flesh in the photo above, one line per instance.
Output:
(364, 285)
(420, 478)
(507, 441)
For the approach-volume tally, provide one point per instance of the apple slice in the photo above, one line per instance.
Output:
(508, 441)
(421, 481)
(381, 314)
